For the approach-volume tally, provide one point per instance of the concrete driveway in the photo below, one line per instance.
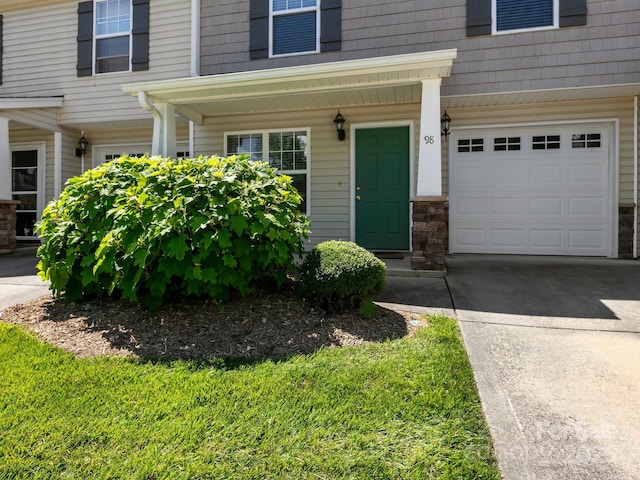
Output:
(555, 348)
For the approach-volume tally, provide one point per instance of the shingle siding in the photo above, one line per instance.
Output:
(603, 52)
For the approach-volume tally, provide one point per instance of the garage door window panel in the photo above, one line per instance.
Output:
(545, 142)
(470, 145)
(586, 140)
(504, 144)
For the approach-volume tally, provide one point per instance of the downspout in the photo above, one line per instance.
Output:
(635, 177)
(195, 38)
(157, 122)
(191, 139)
(195, 61)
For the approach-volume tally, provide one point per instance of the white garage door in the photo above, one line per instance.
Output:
(531, 190)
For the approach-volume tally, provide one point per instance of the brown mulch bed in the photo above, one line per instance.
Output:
(268, 325)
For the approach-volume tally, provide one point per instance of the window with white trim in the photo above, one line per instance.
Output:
(510, 15)
(112, 35)
(294, 27)
(286, 150)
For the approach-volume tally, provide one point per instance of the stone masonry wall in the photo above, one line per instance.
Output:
(625, 231)
(429, 233)
(8, 226)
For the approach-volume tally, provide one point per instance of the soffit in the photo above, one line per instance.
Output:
(541, 96)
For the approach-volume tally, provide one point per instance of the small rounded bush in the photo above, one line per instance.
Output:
(157, 228)
(341, 275)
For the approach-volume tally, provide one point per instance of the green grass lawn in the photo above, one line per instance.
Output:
(403, 409)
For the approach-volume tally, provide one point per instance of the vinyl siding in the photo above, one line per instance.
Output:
(44, 63)
(602, 53)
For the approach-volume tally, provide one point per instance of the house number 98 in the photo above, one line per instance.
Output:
(428, 139)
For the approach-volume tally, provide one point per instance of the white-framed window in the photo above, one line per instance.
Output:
(287, 150)
(518, 15)
(295, 27)
(112, 35)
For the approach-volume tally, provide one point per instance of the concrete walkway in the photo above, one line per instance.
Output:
(19, 282)
(554, 344)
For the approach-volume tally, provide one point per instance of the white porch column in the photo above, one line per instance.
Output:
(168, 128)
(5, 160)
(164, 126)
(430, 153)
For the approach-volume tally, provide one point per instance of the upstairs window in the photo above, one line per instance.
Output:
(524, 14)
(113, 35)
(294, 26)
(485, 17)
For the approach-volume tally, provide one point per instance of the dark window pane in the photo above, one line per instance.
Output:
(112, 54)
(294, 33)
(275, 159)
(287, 161)
(28, 201)
(300, 161)
(24, 223)
(516, 14)
(300, 183)
(24, 180)
(25, 158)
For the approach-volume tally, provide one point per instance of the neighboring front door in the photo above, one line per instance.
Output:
(26, 186)
(382, 188)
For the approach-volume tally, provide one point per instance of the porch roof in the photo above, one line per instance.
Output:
(379, 80)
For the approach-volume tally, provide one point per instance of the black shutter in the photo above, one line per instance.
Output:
(0, 49)
(573, 13)
(478, 17)
(140, 34)
(85, 39)
(330, 25)
(259, 29)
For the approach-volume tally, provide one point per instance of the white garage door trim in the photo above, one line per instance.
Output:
(534, 189)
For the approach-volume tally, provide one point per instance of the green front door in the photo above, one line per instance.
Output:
(382, 188)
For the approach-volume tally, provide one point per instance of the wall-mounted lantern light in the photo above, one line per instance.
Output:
(84, 144)
(445, 122)
(339, 121)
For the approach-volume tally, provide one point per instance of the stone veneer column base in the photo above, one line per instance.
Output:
(429, 233)
(625, 230)
(8, 226)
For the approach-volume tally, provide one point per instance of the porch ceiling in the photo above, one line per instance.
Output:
(381, 80)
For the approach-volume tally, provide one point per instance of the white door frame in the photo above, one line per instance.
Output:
(41, 148)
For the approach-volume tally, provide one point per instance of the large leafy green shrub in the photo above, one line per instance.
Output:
(152, 228)
(341, 275)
